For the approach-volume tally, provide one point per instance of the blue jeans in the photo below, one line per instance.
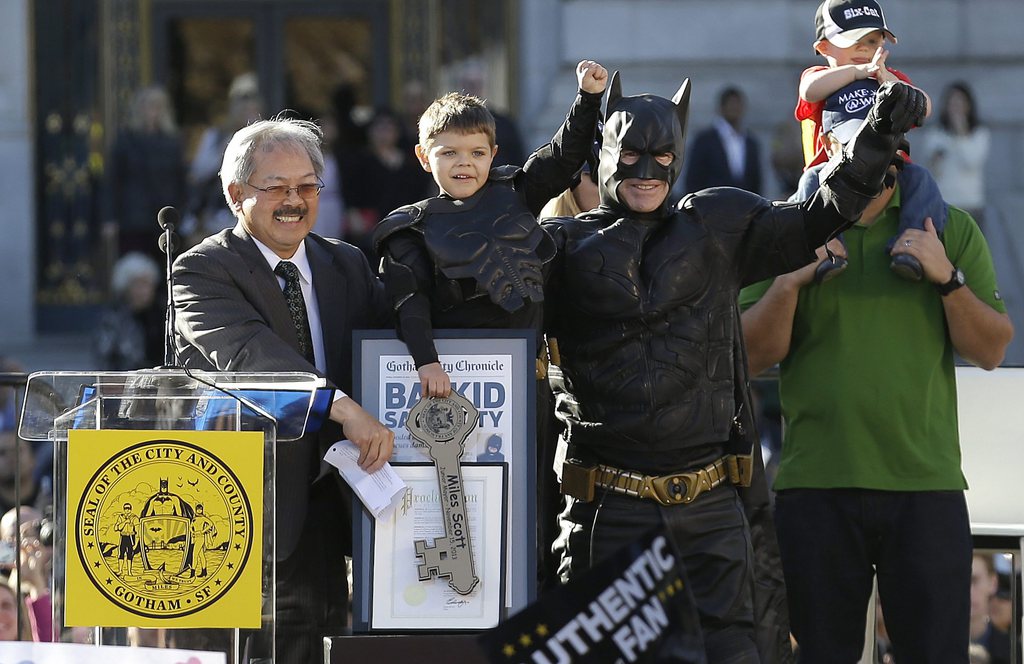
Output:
(834, 541)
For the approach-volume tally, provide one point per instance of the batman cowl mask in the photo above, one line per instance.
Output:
(647, 124)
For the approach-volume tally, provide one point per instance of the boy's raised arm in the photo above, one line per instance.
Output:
(817, 86)
(549, 170)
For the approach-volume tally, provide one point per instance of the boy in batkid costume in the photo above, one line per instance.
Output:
(474, 256)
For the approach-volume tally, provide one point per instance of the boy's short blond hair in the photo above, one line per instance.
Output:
(458, 112)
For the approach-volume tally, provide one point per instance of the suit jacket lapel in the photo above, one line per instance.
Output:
(332, 301)
(266, 291)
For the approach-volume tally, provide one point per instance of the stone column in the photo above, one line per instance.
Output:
(17, 184)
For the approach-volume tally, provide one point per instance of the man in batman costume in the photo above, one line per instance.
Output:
(652, 385)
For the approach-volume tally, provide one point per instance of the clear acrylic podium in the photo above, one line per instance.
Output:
(279, 405)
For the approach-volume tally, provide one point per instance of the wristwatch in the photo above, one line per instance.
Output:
(956, 280)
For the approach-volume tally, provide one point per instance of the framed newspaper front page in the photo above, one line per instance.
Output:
(494, 369)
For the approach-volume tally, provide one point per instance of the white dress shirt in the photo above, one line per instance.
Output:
(735, 144)
(301, 261)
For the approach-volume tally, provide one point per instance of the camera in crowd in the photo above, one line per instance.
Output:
(46, 530)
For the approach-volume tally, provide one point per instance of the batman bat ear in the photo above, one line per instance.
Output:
(682, 101)
(614, 93)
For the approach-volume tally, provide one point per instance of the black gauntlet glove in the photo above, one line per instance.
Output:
(851, 179)
(899, 161)
(898, 108)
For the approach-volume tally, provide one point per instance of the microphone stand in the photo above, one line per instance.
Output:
(167, 218)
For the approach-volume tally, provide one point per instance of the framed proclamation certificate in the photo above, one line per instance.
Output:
(400, 601)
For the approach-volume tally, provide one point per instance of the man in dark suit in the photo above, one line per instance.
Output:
(725, 154)
(267, 295)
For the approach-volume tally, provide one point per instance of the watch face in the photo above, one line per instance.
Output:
(956, 280)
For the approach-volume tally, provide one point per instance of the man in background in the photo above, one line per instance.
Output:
(725, 154)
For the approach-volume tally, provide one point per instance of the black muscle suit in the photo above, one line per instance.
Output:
(652, 369)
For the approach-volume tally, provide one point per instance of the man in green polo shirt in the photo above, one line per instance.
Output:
(869, 479)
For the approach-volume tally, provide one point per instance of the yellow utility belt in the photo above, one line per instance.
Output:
(581, 481)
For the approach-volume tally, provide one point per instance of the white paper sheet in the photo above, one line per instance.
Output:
(380, 490)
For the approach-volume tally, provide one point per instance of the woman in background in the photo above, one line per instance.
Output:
(581, 196)
(130, 334)
(147, 172)
(957, 150)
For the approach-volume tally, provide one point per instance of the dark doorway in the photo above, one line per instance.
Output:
(301, 52)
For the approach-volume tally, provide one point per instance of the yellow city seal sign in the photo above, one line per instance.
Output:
(164, 528)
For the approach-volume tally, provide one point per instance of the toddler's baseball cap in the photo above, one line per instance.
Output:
(847, 108)
(844, 22)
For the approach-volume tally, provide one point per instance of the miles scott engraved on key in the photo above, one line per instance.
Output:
(443, 424)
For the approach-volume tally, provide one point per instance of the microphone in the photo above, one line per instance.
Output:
(168, 218)
(162, 243)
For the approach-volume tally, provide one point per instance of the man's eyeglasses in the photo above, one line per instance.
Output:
(279, 192)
